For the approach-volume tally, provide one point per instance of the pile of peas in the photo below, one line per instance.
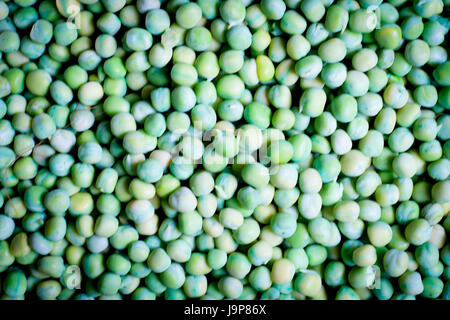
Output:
(236, 149)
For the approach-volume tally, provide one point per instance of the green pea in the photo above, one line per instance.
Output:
(308, 283)
(15, 283)
(334, 274)
(388, 36)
